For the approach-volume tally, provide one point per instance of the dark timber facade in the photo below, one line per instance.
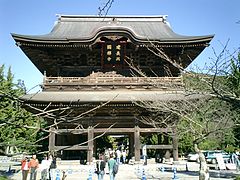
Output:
(88, 65)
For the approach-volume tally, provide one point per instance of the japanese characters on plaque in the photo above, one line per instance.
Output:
(113, 53)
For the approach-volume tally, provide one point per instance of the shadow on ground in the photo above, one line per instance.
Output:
(214, 174)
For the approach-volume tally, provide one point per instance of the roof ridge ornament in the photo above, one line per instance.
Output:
(114, 21)
(164, 18)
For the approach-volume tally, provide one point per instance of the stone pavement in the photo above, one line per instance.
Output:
(135, 172)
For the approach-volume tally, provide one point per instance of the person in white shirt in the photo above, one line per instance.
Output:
(124, 155)
(45, 164)
(118, 153)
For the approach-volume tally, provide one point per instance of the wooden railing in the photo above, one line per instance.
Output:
(111, 80)
(119, 82)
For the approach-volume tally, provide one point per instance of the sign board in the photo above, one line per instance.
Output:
(144, 150)
(113, 54)
(220, 161)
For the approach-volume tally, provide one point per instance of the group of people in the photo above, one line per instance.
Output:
(31, 166)
(120, 155)
(110, 159)
(101, 164)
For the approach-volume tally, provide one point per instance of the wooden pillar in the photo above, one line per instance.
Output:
(95, 149)
(175, 144)
(159, 136)
(166, 139)
(51, 145)
(90, 144)
(131, 145)
(137, 143)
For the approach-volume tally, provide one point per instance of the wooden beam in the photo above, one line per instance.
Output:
(73, 131)
(160, 146)
(114, 130)
(154, 130)
(74, 147)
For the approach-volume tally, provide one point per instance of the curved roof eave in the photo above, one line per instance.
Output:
(86, 29)
(49, 40)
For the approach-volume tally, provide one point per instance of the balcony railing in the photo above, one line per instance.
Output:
(114, 82)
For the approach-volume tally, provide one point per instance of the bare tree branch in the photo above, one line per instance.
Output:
(103, 11)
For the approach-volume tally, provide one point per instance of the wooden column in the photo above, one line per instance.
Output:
(51, 145)
(90, 144)
(131, 145)
(137, 143)
(175, 144)
(95, 148)
(158, 151)
(159, 136)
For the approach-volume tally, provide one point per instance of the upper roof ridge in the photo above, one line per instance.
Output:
(161, 18)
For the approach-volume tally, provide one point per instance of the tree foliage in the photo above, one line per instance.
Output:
(210, 126)
(211, 119)
(233, 80)
(223, 84)
(17, 126)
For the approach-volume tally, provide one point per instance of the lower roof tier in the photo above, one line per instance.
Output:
(78, 97)
(103, 108)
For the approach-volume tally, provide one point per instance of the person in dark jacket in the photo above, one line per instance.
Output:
(53, 166)
(100, 166)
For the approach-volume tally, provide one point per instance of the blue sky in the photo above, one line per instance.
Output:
(187, 17)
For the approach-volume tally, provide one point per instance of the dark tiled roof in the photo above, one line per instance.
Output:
(88, 28)
(104, 96)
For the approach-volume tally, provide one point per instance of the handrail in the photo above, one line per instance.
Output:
(110, 80)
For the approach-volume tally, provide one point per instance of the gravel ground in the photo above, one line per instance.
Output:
(133, 172)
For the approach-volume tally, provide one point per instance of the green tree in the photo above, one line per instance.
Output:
(17, 126)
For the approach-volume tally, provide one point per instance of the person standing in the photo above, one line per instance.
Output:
(118, 156)
(100, 167)
(33, 167)
(45, 164)
(25, 168)
(111, 163)
(53, 166)
(124, 155)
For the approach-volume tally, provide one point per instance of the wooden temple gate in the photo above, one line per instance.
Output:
(134, 138)
(120, 112)
(89, 60)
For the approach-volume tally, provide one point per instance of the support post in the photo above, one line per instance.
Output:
(51, 145)
(175, 144)
(90, 144)
(137, 143)
(167, 154)
(131, 146)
